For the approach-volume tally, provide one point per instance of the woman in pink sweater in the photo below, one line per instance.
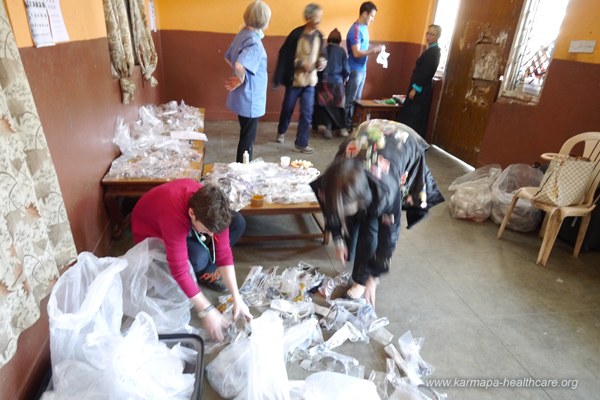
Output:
(186, 215)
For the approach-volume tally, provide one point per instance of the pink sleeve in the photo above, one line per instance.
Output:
(223, 249)
(174, 238)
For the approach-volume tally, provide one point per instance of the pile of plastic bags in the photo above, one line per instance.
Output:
(487, 192)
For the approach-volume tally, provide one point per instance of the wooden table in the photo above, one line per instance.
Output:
(275, 209)
(364, 108)
(118, 188)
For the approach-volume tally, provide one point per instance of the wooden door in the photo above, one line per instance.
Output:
(482, 39)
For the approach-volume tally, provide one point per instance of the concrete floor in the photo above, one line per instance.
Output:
(485, 309)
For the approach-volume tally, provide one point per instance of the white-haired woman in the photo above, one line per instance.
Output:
(248, 84)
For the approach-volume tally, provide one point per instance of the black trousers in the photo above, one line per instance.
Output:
(370, 245)
(248, 129)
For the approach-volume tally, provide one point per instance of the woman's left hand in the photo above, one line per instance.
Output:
(239, 307)
(232, 83)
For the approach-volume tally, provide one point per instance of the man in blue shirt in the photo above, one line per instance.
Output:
(357, 43)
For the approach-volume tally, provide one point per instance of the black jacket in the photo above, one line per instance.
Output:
(284, 71)
(394, 157)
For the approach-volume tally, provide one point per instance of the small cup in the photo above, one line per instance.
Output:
(257, 200)
(285, 161)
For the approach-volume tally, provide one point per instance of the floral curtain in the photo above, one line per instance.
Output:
(36, 243)
(129, 42)
(142, 39)
(120, 46)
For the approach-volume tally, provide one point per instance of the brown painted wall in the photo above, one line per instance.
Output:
(195, 71)
(78, 102)
(517, 133)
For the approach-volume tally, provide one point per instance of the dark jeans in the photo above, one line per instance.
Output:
(200, 257)
(307, 101)
(248, 129)
(354, 89)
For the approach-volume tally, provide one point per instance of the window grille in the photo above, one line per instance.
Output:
(533, 48)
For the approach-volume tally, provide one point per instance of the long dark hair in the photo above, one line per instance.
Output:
(344, 182)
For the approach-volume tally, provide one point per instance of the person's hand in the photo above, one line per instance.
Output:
(233, 83)
(387, 219)
(306, 66)
(377, 49)
(370, 289)
(412, 93)
(341, 251)
(321, 64)
(240, 308)
(213, 323)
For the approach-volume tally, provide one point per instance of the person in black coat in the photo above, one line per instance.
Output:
(378, 172)
(415, 110)
(297, 65)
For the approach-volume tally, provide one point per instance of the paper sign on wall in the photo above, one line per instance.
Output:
(46, 22)
(39, 23)
(57, 23)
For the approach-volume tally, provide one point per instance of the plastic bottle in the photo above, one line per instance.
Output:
(246, 157)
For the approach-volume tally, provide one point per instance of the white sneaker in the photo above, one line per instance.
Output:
(344, 132)
(280, 138)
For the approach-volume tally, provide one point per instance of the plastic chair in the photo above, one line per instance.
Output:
(590, 141)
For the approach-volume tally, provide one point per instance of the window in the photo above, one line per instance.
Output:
(445, 16)
(532, 50)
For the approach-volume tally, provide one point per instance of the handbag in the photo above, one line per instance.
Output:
(565, 180)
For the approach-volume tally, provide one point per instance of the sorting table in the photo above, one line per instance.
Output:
(276, 209)
(118, 188)
(364, 108)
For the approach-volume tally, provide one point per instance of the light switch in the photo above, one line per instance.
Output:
(582, 46)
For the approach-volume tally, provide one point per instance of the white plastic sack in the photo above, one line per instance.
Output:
(228, 372)
(473, 197)
(135, 366)
(525, 217)
(327, 385)
(149, 287)
(266, 354)
(85, 303)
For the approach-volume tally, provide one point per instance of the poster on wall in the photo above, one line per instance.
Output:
(57, 23)
(46, 22)
(39, 23)
(152, 15)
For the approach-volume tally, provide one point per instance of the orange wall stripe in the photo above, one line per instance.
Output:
(582, 22)
(396, 20)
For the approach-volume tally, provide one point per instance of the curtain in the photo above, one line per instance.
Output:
(142, 39)
(120, 46)
(36, 243)
(129, 42)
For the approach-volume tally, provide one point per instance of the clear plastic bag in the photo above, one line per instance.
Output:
(473, 197)
(327, 385)
(525, 217)
(228, 372)
(85, 302)
(266, 354)
(149, 287)
(85, 312)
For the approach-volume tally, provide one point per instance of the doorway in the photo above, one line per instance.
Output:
(480, 47)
